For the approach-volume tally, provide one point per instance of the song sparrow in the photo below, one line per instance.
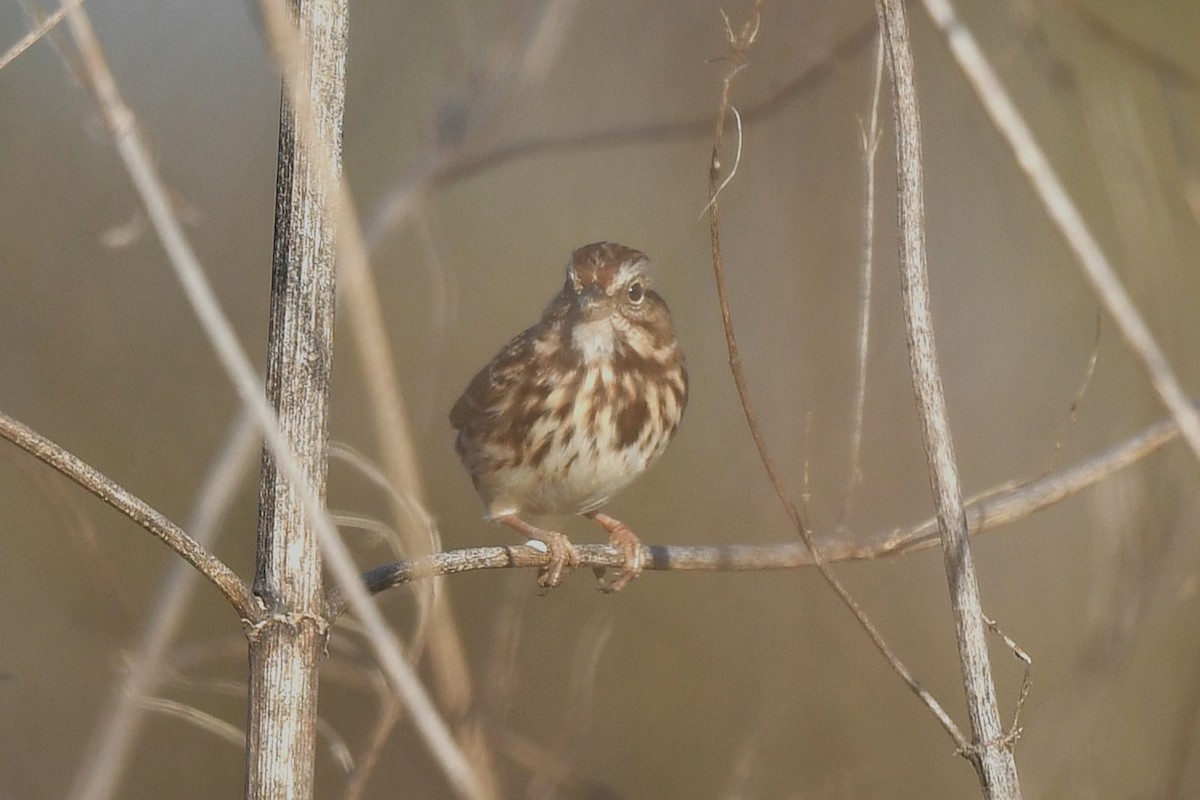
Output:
(572, 410)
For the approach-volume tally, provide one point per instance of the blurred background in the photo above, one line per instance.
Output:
(685, 685)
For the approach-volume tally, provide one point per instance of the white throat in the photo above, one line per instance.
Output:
(594, 340)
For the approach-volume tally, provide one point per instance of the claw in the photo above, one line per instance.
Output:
(630, 546)
(563, 557)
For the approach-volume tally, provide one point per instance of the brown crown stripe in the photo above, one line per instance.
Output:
(598, 263)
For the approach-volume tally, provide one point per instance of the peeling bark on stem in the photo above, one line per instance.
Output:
(285, 647)
(991, 750)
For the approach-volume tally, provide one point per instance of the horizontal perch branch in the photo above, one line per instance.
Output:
(983, 515)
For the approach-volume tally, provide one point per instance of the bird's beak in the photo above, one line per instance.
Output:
(592, 303)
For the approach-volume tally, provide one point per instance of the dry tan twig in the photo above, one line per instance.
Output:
(31, 38)
(870, 146)
(1066, 216)
(201, 719)
(115, 733)
(388, 410)
(448, 168)
(989, 751)
(134, 153)
(102, 571)
(738, 44)
(174, 537)
(285, 650)
(998, 508)
(390, 712)
(290, 50)
(1084, 383)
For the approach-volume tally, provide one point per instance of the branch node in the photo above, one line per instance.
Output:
(293, 621)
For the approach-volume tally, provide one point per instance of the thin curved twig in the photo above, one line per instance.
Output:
(131, 146)
(870, 146)
(997, 510)
(115, 733)
(739, 44)
(465, 777)
(457, 164)
(108, 490)
(1063, 212)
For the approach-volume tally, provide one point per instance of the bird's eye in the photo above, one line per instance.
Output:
(636, 293)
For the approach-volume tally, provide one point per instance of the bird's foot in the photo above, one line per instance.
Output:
(563, 557)
(630, 546)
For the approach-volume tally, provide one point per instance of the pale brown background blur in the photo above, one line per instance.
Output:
(706, 685)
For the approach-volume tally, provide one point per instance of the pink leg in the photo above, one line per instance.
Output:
(562, 553)
(630, 545)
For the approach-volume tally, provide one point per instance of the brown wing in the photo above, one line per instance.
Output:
(482, 400)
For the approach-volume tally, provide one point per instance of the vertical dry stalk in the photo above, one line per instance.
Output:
(294, 53)
(284, 649)
(990, 751)
(182, 258)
